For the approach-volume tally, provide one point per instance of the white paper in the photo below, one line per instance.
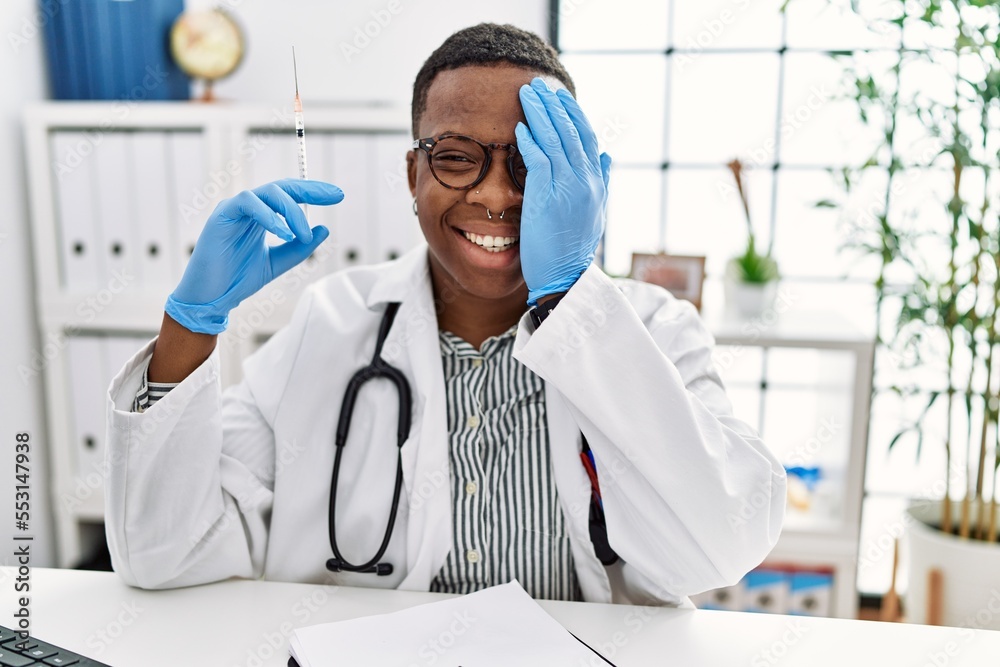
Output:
(495, 627)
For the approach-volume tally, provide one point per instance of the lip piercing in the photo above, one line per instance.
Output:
(502, 212)
(489, 215)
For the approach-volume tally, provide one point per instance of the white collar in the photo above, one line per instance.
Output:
(398, 279)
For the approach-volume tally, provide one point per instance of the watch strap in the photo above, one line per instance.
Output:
(543, 310)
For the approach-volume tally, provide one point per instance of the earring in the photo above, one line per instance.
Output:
(414, 206)
(488, 214)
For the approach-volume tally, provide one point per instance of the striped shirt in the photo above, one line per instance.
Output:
(150, 392)
(507, 520)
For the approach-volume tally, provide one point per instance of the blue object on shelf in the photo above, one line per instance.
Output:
(810, 593)
(114, 50)
(766, 590)
(100, 63)
(809, 475)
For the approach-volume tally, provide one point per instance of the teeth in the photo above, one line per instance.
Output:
(491, 243)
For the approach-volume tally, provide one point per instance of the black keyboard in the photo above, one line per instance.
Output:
(17, 652)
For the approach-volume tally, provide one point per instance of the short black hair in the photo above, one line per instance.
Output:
(487, 44)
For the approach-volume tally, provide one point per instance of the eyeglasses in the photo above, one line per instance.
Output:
(460, 162)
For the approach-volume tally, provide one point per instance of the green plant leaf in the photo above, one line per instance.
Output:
(934, 282)
(895, 438)
(754, 268)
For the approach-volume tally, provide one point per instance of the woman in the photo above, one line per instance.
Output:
(521, 354)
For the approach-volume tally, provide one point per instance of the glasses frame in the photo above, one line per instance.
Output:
(427, 145)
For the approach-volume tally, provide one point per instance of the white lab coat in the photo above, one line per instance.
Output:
(207, 484)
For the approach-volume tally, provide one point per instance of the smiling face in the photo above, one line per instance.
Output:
(480, 102)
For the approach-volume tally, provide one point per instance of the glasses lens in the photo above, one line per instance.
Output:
(457, 161)
(517, 169)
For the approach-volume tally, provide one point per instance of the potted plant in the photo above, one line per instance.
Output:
(751, 278)
(943, 310)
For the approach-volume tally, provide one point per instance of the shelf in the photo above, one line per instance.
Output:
(798, 522)
(137, 312)
(168, 157)
(90, 508)
(755, 362)
(195, 117)
(794, 328)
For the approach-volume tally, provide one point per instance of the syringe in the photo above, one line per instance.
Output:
(300, 127)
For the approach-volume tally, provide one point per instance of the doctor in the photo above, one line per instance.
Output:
(519, 352)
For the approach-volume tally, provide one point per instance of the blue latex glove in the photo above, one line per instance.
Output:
(565, 192)
(231, 261)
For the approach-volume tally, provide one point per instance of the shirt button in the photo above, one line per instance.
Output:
(477, 362)
(473, 421)
(470, 488)
(472, 556)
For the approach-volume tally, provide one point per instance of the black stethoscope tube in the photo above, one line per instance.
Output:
(380, 369)
(376, 369)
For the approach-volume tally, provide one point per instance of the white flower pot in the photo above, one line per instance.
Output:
(970, 570)
(750, 299)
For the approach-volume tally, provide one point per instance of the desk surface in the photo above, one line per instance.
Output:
(246, 624)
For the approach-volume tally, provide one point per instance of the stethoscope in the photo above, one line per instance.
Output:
(378, 368)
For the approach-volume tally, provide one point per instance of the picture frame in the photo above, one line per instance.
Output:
(681, 275)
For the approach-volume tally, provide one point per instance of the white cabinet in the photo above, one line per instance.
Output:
(119, 194)
(803, 379)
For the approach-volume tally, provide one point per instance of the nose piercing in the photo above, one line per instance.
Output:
(488, 214)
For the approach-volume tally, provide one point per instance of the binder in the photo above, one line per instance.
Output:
(811, 593)
(767, 590)
(56, 57)
(113, 42)
(126, 32)
(87, 388)
(193, 200)
(104, 49)
(396, 228)
(117, 350)
(353, 217)
(77, 25)
(156, 248)
(728, 598)
(114, 208)
(277, 159)
(81, 250)
(321, 169)
(158, 17)
(102, 69)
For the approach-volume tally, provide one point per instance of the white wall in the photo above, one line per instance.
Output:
(382, 70)
(21, 405)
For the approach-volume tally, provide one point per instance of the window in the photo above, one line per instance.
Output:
(677, 89)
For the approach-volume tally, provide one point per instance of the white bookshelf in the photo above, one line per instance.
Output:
(75, 173)
(827, 364)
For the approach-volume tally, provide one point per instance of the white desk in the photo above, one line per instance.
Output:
(246, 624)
